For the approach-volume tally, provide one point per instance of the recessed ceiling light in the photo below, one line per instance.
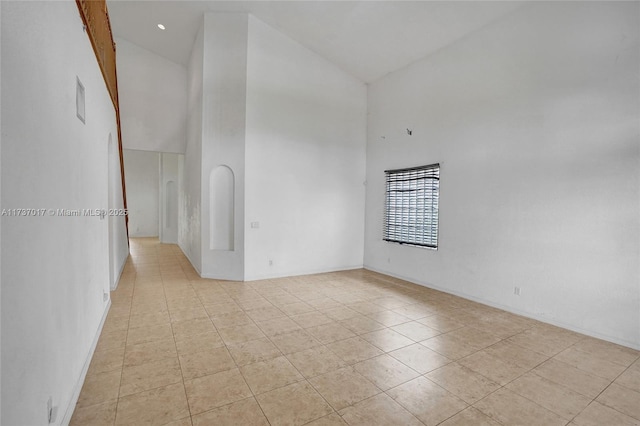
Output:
(161, 26)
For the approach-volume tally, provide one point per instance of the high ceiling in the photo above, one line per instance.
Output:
(367, 39)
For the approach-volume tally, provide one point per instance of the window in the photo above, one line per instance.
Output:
(411, 206)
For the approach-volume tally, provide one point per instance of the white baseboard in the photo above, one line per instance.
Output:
(301, 272)
(546, 320)
(117, 280)
(85, 368)
(189, 259)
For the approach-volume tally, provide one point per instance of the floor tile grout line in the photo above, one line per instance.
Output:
(124, 354)
(184, 386)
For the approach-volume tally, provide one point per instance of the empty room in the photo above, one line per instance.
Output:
(320, 213)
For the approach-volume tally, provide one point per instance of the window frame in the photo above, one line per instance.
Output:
(405, 212)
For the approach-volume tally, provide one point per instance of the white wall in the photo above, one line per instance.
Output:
(118, 241)
(55, 270)
(142, 175)
(223, 131)
(189, 237)
(534, 120)
(305, 160)
(153, 100)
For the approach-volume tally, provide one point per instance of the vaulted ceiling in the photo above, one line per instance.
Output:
(367, 39)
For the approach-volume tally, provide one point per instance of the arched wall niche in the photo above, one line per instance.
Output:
(221, 208)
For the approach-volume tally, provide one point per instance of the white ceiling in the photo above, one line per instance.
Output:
(367, 39)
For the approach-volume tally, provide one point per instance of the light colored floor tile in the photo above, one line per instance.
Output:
(311, 319)
(107, 360)
(324, 303)
(271, 374)
(631, 377)
(296, 308)
(330, 420)
(112, 340)
(198, 342)
(516, 354)
(493, 368)
(294, 341)
(240, 333)
(182, 422)
(575, 379)
(474, 337)
(95, 415)
(361, 324)
(462, 382)
(250, 305)
(539, 341)
(219, 309)
(150, 351)
(623, 399)
(204, 363)
(216, 390)
(295, 404)
(354, 350)
(115, 323)
(426, 400)
(420, 358)
(99, 388)
(608, 351)
(389, 302)
(315, 361)
(449, 346)
(230, 319)
(366, 308)
(181, 298)
(388, 318)
(253, 351)
(597, 414)
(414, 311)
(156, 406)
(415, 330)
(387, 339)
(265, 313)
(510, 408)
(328, 333)
(149, 334)
(344, 387)
(552, 396)
(150, 375)
(245, 412)
(441, 323)
(340, 313)
(186, 328)
(470, 417)
(149, 319)
(379, 410)
(385, 371)
(159, 285)
(596, 366)
(278, 326)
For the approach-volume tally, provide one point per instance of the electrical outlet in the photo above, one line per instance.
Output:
(270, 262)
(105, 296)
(516, 291)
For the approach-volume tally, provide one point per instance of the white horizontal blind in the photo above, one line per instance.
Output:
(411, 206)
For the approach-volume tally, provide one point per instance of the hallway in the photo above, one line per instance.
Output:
(353, 346)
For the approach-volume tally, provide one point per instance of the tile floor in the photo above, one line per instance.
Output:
(352, 347)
